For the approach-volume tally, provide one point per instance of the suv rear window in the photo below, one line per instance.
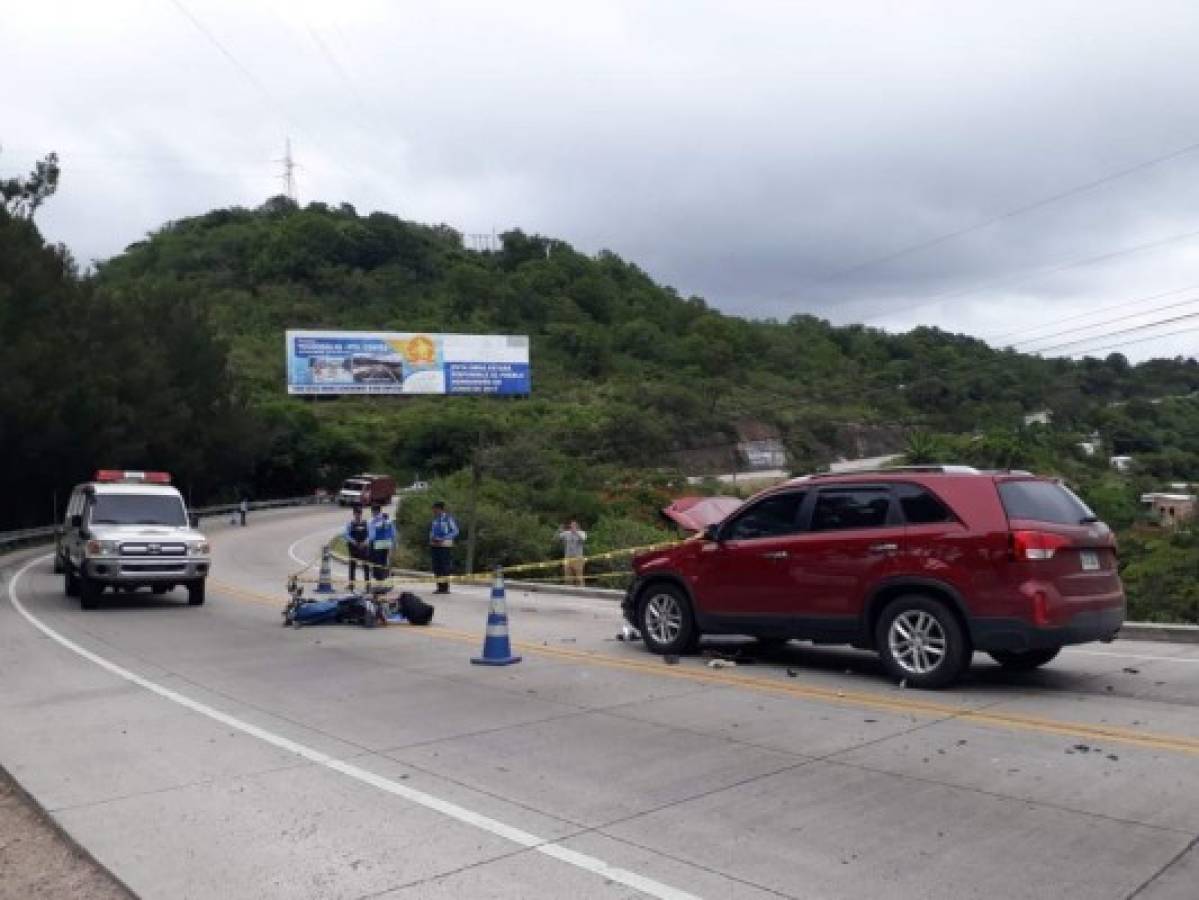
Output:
(851, 508)
(1043, 501)
(920, 507)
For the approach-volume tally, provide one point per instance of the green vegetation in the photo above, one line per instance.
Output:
(170, 355)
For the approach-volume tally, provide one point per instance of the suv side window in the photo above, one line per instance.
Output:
(921, 507)
(774, 516)
(841, 509)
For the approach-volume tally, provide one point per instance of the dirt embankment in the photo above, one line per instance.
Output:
(38, 861)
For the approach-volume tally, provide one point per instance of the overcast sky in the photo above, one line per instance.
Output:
(766, 156)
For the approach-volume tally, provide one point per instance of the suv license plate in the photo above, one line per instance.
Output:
(1090, 560)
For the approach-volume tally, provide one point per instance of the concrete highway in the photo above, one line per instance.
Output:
(208, 752)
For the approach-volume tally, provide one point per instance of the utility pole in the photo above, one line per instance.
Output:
(289, 169)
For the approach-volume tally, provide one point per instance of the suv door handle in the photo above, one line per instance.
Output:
(884, 548)
(775, 554)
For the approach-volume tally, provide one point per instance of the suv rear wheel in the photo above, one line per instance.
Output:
(1024, 660)
(921, 642)
(665, 619)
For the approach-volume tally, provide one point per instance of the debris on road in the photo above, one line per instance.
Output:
(1131, 671)
(791, 673)
(720, 663)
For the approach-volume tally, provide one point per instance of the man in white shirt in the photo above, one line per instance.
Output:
(573, 551)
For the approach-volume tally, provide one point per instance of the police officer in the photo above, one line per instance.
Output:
(383, 534)
(442, 532)
(358, 541)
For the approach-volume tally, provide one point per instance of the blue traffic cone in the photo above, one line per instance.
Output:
(496, 649)
(325, 584)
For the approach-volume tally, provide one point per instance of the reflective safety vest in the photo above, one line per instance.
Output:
(385, 533)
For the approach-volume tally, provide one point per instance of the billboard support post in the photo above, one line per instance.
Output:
(472, 513)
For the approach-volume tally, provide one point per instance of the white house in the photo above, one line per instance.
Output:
(1121, 463)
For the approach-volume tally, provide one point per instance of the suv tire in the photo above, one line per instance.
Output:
(1024, 660)
(195, 592)
(89, 593)
(70, 583)
(921, 642)
(665, 620)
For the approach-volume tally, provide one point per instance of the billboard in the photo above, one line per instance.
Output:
(393, 362)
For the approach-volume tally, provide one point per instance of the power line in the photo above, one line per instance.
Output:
(1050, 270)
(1124, 318)
(225, 52)
(1122, 303)
(1135, 328)
(1118, 344)
(1018, 211)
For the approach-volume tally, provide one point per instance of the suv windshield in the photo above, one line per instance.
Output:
(353, 485)
(138, 509)
(1043, 501)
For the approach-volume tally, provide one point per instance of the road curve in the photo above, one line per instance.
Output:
(209, 752)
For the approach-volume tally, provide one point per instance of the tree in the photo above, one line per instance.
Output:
(23, 196)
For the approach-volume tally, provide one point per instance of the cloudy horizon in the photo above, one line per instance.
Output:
(775, 159)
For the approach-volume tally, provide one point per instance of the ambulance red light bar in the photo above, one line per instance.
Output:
(128, 477)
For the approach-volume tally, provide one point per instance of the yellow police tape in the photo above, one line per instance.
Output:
(406, 576)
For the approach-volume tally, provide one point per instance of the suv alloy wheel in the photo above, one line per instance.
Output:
(921, 642)
(667, 625)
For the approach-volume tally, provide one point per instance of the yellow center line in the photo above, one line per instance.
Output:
(895, 704)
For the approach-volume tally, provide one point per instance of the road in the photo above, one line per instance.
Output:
(209, 752)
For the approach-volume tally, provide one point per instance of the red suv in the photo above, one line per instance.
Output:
(923, 564)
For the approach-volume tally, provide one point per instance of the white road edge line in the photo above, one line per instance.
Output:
(291, 550)
(1181, 659)
(446, 808)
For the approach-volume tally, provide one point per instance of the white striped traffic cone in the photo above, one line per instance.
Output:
(325, 583)
(497, 651)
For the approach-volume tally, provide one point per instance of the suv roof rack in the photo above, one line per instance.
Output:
(885, 470)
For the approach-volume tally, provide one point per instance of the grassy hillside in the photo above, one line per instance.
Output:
(171, 355)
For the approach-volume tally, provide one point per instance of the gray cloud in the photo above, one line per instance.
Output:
(741, 151)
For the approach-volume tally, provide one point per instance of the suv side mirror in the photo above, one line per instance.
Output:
(76, 521)
(712, 533)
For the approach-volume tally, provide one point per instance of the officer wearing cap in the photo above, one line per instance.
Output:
(358, 542)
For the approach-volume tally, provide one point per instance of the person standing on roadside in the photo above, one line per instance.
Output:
(573, 538)
(442, 532)
(358, 543)
(243, 508)
(382, 539)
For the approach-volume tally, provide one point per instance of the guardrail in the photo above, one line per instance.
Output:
(47, 532)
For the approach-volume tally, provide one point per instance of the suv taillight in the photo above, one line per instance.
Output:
(1030, 546)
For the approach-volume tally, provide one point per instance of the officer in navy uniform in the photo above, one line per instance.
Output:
(358, 541)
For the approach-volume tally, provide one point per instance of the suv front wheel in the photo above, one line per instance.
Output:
(921, 642)
(665, 619)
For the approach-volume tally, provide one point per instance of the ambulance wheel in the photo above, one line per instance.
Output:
(195, 593)
(89, 593)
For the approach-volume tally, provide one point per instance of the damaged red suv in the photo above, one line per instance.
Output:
(924, 565)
